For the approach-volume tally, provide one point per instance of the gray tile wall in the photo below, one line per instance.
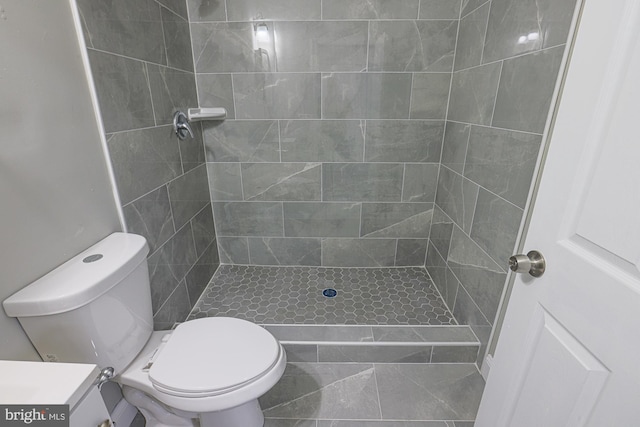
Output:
(143, 70)
(337, 109)
(506, 64)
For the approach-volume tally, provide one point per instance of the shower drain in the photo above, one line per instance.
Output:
(329, 293)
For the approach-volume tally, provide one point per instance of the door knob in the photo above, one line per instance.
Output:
(532, 263)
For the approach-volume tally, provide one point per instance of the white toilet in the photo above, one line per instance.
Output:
(96, 308)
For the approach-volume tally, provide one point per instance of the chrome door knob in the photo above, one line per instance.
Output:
(533, 263)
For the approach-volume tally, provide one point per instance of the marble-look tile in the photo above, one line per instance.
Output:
(233, 250)
(412, 45)
(175, 309)
(495, 226)
(192, 150)
(426, 334)
(169, 265)
(483, 332)
(291, 10)
(284, 251)
(248, 218)
(374, 354)
(369, 9)
(430, 95)
(519, 27)
(471, 38)
(321, 46)
(277, 95)
(242, 141)
(396, 220)
(358, 252)
(482, 278)
(324, 390)
(216, 90)
(188, 194)
(525, 90)
(502, 161)
(366, 95)
(301, 352)
(282, 422)
(322, 219)
(473, 94)
(403, 141)
(143, 160)
(466, 311)
(454, 354)
(177, 6)
(428, 391)
(442, 277)
(200, 274)
(457, 197)
(171, 90)
(469, 6)
(122, 87)
(225, 181)
(440, 234)
(204, 232)
(281, 181)
(411, 252)
(136, 33)
(314, 333)
(380, 423)
(322, 140)
(177, 38)
(420, 182)
(224, 47)
(367, 182)
(150, 216)
(207, 10)
(439, 9)
(454, 148)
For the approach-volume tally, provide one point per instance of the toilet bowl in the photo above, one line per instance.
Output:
(96, 308)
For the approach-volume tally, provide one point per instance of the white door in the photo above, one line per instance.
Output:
(569, 351)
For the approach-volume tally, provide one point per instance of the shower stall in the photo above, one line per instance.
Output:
(368, 184)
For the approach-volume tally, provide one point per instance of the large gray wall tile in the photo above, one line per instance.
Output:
(177, 6)
(358, 252)
(502, 161)
(188, 194)
(242, 141)
(430, 95)
(471, 38)
(408, 220)
(439, 9)
(369, 9)
(253, 10)
(284, 251)
(277, 96)
(233, 250)
(321, 46)
(403, 141)
(216, 90)
(457, 197)
(454, 147)
(281, 181)
(473, 94)
(248, 218)
(420, 182)
(365, 95)
(322, 140)
(442, 276)
(175, 309)
(171, 90)
(511, 22)
(411, 252)
(323, 219)
(525, 90)
(177, 39)
(207, 10)
(440, 234)
(369, 182)
(150, 216)
(204, 233)
(412, 45)
(225, 181)
(200, 274)
(192, 150)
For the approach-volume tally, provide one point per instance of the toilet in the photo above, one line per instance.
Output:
(96, 308)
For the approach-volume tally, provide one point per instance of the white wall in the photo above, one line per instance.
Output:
(56, 198)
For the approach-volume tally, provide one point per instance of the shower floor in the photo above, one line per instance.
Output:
(294, 295)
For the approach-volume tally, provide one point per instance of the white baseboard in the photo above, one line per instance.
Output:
(123, 414)
(486, 366)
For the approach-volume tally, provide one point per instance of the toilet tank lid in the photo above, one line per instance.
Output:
(82, 279)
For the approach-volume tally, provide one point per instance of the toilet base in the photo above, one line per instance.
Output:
(247, 415)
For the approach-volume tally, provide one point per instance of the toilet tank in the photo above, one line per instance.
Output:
(95, 308)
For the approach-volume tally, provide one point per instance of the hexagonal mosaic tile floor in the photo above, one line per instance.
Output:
(294, 295)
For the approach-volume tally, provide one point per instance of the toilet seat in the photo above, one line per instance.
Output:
(213, 356)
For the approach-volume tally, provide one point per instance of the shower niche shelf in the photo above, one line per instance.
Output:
(195, 114)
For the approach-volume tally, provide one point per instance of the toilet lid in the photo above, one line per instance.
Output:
(213, 355)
